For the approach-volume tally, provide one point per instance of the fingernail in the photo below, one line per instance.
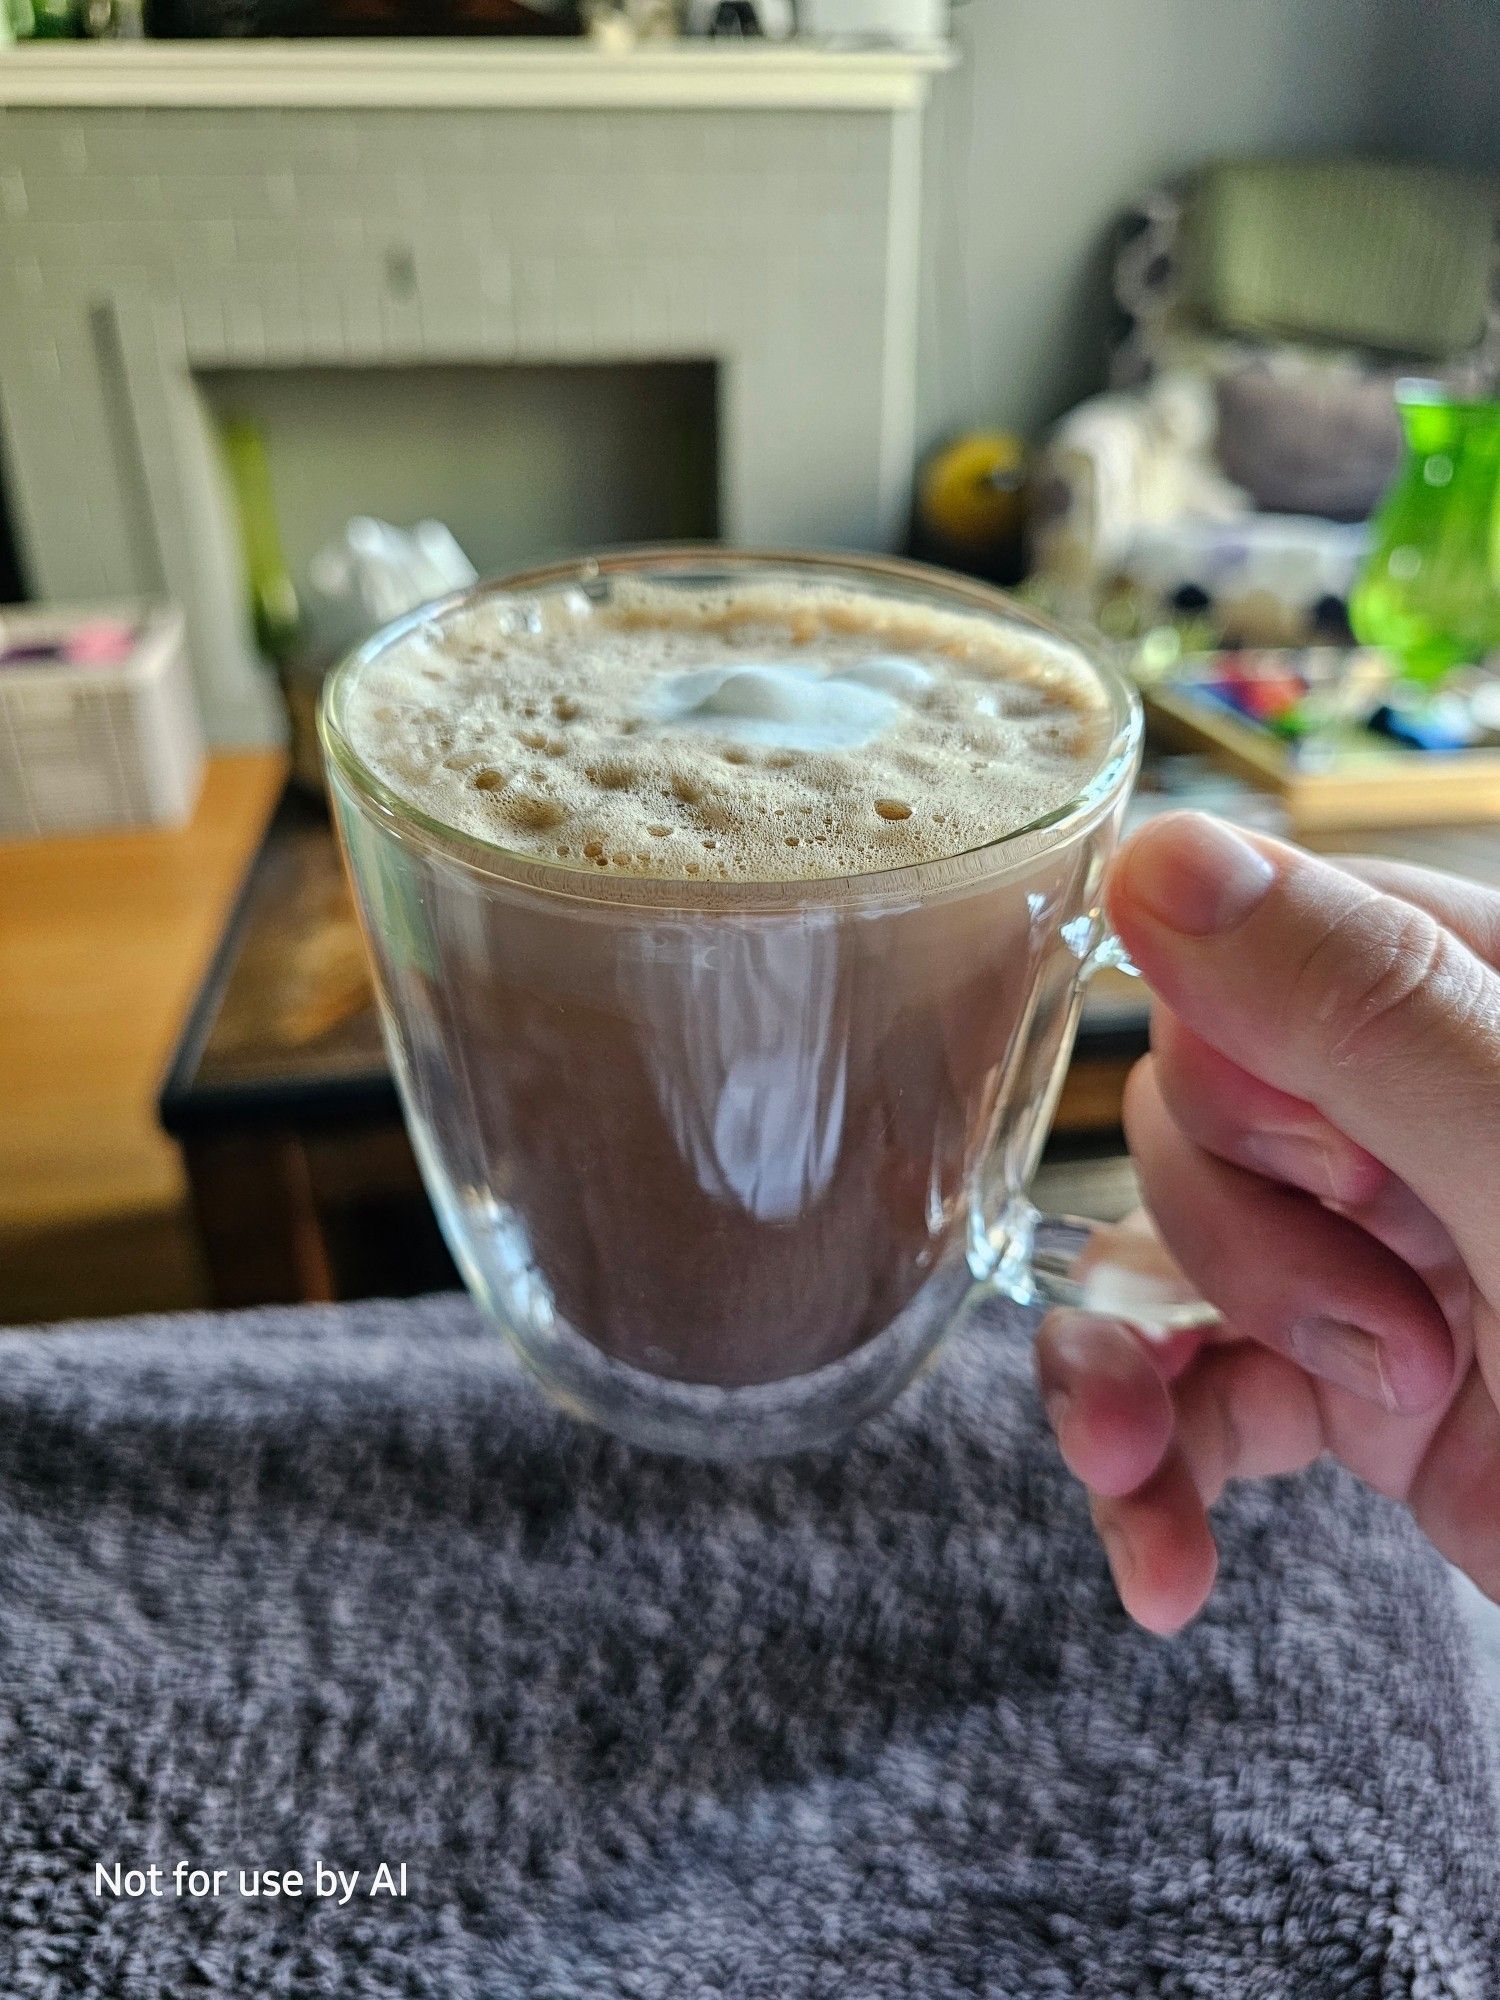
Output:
(1346, 1355)
(1196, 875)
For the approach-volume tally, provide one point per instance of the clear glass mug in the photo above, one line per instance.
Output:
(726, 1161)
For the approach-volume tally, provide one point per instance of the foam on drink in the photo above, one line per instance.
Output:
(751, 735)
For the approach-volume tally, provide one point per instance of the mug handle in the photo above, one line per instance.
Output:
(1066, 1260)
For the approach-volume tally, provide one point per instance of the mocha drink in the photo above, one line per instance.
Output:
(707, 1006)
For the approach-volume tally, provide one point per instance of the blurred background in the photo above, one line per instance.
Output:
(1180, 316)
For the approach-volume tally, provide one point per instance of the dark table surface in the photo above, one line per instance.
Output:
(284, 1022)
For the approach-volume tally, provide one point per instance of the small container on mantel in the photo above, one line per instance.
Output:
(98, 724)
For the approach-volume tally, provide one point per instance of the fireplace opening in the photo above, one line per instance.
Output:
(522, 462)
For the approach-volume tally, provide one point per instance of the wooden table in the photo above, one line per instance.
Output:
(103, 941)
(303, 1182)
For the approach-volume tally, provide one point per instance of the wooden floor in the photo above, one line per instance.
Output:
(103, 940)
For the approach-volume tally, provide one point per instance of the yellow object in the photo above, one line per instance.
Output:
(971, 493)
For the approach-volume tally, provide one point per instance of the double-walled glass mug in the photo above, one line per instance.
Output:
(726, 1160)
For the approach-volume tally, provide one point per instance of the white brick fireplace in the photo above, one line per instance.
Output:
(171, 211)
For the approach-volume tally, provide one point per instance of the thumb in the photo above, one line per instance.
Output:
(1357, 1001)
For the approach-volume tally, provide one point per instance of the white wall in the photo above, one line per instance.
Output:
(1064, 108)
(1442, 87)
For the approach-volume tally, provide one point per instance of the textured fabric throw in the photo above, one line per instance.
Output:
(334, 1590)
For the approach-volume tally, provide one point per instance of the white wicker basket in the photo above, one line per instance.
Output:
(97, 743)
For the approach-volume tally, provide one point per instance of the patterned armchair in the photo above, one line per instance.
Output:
(1249, 430)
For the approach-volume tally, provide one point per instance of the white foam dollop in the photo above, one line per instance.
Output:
(888, 673)
(789, 704)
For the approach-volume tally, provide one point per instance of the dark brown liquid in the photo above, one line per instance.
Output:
(737, 1145)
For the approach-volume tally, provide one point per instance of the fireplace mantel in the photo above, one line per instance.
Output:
(417, 73)
(170, 213)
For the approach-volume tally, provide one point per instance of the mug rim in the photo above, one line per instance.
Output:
(717, 562)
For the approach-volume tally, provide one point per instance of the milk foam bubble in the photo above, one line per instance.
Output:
(761, 734)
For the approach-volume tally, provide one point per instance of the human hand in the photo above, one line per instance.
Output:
(1317, 1132)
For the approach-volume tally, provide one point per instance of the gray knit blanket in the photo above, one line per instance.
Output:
(334, 1591)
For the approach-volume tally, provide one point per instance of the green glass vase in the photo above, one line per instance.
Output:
(1430, 592)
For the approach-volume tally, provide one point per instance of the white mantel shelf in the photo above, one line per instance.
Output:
(415, 73)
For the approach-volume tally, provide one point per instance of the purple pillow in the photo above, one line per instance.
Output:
(1315, 440)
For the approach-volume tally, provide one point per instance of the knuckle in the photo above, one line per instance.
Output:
(1380, 973)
